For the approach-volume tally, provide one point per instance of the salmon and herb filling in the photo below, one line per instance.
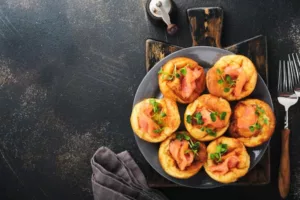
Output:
(207, 117)
(227, 161)
(182, 156)
(253, 122)
(154, 120)
(232, 77)
(181, 79)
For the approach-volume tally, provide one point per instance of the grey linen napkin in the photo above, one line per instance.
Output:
(118, 177)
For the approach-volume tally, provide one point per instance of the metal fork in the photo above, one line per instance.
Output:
(295, 64)
(287, 77)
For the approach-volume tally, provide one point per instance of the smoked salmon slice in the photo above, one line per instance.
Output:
(223, 168)
(240, 82)
(239, 75)
(188, 83)
(179, 151)
(146, 123)
(208, 121)
(249, 118)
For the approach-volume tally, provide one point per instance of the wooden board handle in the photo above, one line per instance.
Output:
(284, 168)
(206, 26)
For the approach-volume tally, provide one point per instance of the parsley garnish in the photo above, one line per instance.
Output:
(266, 121)
(181, 136)
(158, 130)
(254, 127)
(160, 71)
(155, 105)
(163, 114)
(220, 150)
(189, 119)
(220, 81)
(213, 116)
(183, 71)
(229, 82)
(210, 132)
(223, 115)
(198, 118)
(170, 77)
(226, 89)
(259, 110)
(194, 147)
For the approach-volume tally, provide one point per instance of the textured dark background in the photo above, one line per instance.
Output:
(68, 73)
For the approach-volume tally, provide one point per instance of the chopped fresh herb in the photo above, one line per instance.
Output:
(186, 137)
(183, 71)
(213, 116)
(220, 150)
(160, 71)
(198, 118)
(223, 115)
(215, 156)
(228, 78)
(220, 81)
(210, 132)
(266, 121)
(181, 136)
(219, 71)
(258, 126)
(254, 127)
(189, 119)
(226, 89)
(202, 129)
(194, 147)
(163, 114)
(158, 130)
(177, 75)
(155, 105)
(259, 110)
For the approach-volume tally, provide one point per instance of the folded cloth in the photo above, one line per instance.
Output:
(117, 177)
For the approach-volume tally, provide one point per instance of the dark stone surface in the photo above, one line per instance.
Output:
(68, 73)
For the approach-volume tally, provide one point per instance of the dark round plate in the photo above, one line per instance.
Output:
(206, 57)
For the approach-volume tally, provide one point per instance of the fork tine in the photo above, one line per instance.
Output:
(293, 74)
(293, 77)
(279, 86)
(289, 77)
(296, 67)
(284, 86)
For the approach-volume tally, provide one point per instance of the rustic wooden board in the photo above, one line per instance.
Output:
(156, 50)
(206, 28)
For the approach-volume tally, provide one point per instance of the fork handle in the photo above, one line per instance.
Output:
(284, 168)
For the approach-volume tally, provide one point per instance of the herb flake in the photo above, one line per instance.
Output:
(183, 71)
(223, 115)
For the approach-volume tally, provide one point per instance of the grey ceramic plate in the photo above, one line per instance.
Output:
(206, 57)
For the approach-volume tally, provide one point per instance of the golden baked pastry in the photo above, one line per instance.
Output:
(181, 156)
(253, 122)
(207, 117)
(181, 79)
(227, 160)
(154, 120)
(233, 77)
